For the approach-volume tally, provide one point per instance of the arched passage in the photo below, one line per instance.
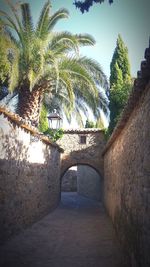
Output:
(87, 153)
(84, 180)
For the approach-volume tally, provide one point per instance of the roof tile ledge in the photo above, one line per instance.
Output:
(26, 125)
(82, 130)
(141, 86)
(138, 91)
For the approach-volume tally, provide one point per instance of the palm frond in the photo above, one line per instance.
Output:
(11, 39)
(27, 19)
(58, 101)
(60, 14)
(78, 116)
(81, 106)
(85, 39)
(14, 11)
(43, 22)
(95, 70)
(103, 103)
(64, 42)
(10, 22)
(66, 81)
(14, 73)
(82, 93)
(73, 67)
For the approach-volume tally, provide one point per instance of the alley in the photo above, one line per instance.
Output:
(77, 234)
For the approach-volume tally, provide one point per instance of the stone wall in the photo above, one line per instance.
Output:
(89, 183)
(127, 176)
(76, 152)
(69, 181)
(29, 176)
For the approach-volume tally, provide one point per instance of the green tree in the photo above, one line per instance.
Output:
(89, 124)
(5, 65)
(120, 64)
(120, 82)
(4, 62)
(44, 61)
(43, 121)
(6, 56)
(99, 123)
(86, 4)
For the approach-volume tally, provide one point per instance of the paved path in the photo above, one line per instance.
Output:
(77, 234)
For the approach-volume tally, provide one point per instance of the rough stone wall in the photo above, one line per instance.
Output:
(29, 178)
(69, 181)
(76, 153)
(127, 183)
(89, 183)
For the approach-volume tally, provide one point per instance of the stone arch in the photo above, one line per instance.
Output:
(86, 180)
(82, 153)
(67, 167)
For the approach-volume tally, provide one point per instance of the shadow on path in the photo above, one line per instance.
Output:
(77, 234)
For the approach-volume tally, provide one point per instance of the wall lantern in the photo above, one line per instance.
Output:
(54, 120)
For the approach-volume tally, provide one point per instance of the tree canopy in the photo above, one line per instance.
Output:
(86, 4)
(120, 66)
(120, 82)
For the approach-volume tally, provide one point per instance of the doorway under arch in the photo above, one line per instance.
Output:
(84, 180)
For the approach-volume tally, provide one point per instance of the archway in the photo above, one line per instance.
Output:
(84, 180)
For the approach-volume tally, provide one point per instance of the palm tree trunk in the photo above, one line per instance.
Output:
(29, 104)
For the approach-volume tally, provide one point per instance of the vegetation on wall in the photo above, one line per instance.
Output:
(120, 82)
(54, 134)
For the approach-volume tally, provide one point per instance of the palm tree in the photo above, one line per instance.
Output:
(43, 61)
(83, 103)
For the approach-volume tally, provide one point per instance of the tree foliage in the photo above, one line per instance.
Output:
(4, 64)
(5, 56)
(86, 4)
(118, 99)
(54, 134)
(89, 124)
(43, 121)
(120, 66)
(98, 124)
(120, 82)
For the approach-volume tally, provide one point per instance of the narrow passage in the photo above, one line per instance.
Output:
(77, 234)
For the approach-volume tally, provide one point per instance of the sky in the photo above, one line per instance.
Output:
(130, 18)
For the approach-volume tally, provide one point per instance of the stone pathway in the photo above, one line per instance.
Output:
(77, 234)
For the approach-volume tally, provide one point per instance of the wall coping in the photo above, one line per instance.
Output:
(26, 125)
(129, 108)
(141, 86)
(82, 131)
